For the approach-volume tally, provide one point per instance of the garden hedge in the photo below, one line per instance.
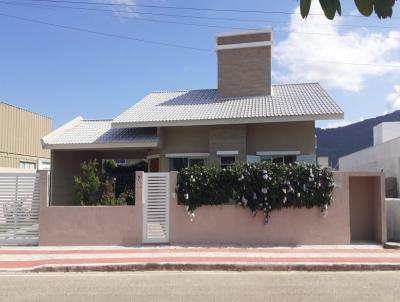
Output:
(261, 186)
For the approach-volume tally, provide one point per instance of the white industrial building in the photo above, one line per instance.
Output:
(383, 155)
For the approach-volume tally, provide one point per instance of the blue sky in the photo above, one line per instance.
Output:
(63, 73)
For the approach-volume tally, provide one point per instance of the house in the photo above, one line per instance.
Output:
(245, 119)
(384, 155)
(20, 134)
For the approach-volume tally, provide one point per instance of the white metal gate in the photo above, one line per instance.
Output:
(156, 199)
(19, 208)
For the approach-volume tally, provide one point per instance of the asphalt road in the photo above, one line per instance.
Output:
(202, 286)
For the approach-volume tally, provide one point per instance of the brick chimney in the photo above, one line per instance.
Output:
(244, 63)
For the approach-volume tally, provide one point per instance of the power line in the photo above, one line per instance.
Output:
(123, 37)
(104, 34)
(190, 16)
(187, 8)
(212, 26)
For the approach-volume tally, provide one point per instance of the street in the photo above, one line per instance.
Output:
(202, 286)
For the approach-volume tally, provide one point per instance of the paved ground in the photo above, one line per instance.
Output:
(202, 286)
(354, 257)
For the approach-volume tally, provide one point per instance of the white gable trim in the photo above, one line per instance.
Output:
(244, 45)
(188, 155)
(295, 118)
(227, 152)
(150, 144)
(61, 130)
(245, 32)
(267, 153)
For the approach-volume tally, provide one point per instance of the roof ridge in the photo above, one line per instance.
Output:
(97, 120)
(204, 89)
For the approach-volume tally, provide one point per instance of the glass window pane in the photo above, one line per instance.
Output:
(196, 161)
(277, 159)
(290, 159)
(227, 161)
(178, 163)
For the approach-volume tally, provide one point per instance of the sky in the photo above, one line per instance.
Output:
(87, 61)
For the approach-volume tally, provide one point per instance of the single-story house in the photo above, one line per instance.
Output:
(245, 119)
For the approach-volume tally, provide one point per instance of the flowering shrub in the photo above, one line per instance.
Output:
(260, 186)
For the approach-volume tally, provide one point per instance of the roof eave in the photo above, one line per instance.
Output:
(97, 146)
(210, 122)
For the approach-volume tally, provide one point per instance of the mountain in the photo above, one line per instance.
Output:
(337, 142)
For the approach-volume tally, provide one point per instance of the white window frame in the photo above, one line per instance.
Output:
(31, 165)
(273, 154)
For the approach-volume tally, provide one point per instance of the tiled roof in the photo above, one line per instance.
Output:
(287, 103)
(98, 132)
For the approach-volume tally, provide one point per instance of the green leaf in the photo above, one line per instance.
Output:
(305, 8)
(365, 7)
(330, 7)
(383, 8)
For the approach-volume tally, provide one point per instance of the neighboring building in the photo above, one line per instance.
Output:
(383, 155)
(20, 134)
(245, 119)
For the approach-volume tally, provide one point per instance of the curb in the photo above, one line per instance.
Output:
(208, 267)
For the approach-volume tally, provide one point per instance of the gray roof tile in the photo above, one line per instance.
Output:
(287, 101)
(100, 132)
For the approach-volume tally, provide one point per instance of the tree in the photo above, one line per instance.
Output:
(382, 8)
(86, 186)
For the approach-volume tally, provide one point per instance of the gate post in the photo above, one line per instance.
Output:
(139, 199)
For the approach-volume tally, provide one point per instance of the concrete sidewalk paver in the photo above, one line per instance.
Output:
(352, 257)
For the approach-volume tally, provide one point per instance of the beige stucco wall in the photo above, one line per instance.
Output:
(66, 165)
(20, 134)
(294, 136)
(245, 138)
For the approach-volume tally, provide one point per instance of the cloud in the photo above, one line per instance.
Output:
(124, 8)
(393, 100)
(309, 57)
(337, 124)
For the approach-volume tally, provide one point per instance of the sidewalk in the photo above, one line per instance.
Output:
(316, 258)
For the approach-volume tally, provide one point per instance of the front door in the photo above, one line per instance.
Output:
(156, 199)
(154, 165)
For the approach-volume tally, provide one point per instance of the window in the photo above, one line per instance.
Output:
(227, 161)
(27, 165)
(177, 164)
(279, 159)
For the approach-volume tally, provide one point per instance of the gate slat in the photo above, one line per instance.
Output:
(19, 208)
(156, 199)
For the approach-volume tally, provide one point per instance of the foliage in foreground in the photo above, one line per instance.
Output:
(382, 8)
(90, 190)
(259, 187)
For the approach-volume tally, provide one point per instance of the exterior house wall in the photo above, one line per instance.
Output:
(295, 136)
(244, 72)
(247, 139)
(386, 131)
(227, 138)
(183, 140)
(66, 165)
(20, 134)
(385, 156)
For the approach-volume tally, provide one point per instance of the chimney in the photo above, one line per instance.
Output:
(244, 63)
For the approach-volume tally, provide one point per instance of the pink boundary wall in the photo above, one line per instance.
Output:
(212, 225)
(97, 225)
